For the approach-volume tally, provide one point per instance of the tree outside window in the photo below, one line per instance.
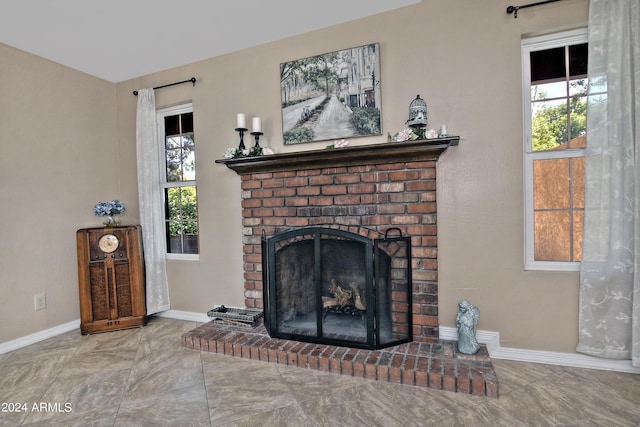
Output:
(179, 180)
(556, 89)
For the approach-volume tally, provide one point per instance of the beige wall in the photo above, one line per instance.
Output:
(463, 58)
(57, 133)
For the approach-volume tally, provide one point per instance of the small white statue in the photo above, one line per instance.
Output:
(466, 321)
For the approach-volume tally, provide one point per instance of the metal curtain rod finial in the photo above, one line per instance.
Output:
(192, 80)
(514, 9)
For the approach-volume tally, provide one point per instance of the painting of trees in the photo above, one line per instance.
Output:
(335, 95)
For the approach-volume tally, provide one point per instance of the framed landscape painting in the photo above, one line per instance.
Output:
(331, 96)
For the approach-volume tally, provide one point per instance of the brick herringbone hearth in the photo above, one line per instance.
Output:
(434, 365)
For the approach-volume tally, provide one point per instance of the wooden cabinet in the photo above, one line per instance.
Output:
(111, 278)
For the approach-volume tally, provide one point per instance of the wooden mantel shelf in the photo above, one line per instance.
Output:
(426, 149)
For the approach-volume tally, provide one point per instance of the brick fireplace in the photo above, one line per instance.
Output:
(365, 190)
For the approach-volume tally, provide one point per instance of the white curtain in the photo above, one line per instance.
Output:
(149, 197)
(609, 324)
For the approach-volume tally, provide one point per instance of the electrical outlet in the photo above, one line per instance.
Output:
(40, 301)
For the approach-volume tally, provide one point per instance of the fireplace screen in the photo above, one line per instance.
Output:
(331, 286)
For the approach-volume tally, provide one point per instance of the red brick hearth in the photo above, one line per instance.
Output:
(365, 190)
(436, 365)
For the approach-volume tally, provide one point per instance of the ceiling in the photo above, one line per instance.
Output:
(118, 40)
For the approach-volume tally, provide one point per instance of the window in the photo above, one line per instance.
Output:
(555, 110)
(178, 180)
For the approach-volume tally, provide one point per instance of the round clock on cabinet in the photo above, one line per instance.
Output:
(108, 243)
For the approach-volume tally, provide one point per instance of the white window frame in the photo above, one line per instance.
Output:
(530, 45)
(160, 115)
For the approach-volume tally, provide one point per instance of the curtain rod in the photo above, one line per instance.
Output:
(192, 80)
(514, 9)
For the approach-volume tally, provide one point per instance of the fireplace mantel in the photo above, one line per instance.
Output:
(428, 149)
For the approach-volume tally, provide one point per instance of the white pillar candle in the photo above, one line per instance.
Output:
(443, 130)
(240, 122)
(257, 124)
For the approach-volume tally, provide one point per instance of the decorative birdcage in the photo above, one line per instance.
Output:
(418, 116)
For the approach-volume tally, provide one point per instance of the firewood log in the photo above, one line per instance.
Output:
(341, 296)
(358, 300)
(329, 302)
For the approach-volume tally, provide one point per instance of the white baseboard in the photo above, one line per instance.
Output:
(488, 338)
(492, 341)
(8, 346)
(184, 315)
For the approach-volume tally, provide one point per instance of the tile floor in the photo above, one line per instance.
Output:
(144, 377)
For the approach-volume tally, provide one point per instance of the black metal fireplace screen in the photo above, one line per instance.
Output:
(330, 286)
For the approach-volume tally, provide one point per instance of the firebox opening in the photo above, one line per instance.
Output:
(332, 286)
